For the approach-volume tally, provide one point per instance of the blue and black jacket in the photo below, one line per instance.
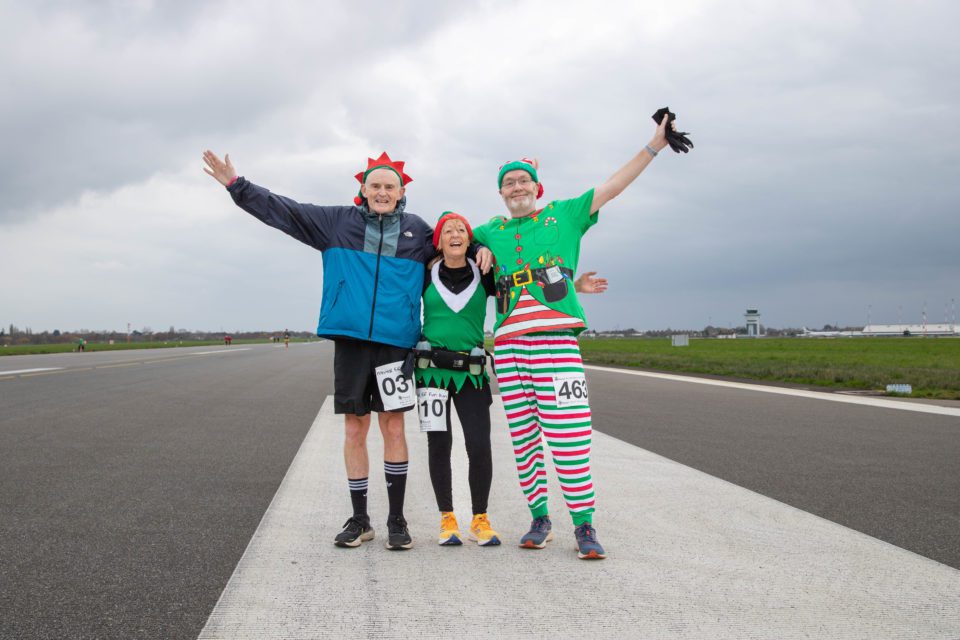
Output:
(372, 264)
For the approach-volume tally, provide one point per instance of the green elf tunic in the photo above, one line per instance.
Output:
(547, 243)
(453, 321)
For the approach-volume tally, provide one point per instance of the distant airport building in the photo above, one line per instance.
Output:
(830, 334)
(753, 323)
(911, 330)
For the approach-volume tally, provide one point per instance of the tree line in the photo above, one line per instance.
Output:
(12, 335)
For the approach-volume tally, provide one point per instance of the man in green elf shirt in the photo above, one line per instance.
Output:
(537, 358)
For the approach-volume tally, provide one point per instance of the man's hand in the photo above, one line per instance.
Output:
(659, 140)
(677, 140)
(586, 283)
(221, 170)
(484, 260)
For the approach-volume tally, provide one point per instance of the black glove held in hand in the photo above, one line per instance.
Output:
(677, 140)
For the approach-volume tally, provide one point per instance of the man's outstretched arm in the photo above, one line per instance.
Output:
(307, 223)
(629, 172)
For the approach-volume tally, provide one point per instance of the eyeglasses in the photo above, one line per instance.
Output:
(509, 184)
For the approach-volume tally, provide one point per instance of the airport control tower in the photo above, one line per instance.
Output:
(753, 323)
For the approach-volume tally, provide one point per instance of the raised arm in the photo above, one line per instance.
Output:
(308, 223)
(619, 181)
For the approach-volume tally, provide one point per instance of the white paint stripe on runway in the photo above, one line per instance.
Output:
(800, 393)
(17, 371)
(225, 350)
(690, 556)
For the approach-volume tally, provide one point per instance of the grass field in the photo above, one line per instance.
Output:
(930, 365)
(24, 349)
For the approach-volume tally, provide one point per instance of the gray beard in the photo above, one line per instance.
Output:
(522, 208)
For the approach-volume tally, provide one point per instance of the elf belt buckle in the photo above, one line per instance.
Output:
(517, 275)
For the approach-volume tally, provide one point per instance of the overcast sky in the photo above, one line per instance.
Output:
(824, 186)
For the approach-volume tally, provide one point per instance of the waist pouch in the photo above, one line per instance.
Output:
(406, 369)
(452, 360)
(553, 280)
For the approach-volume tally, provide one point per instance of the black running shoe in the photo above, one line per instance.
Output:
(398, 537)
(355, 530)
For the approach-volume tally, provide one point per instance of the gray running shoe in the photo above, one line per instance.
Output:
(587, 546)
(541, 532)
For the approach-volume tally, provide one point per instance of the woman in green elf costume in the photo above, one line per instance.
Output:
(451, 368)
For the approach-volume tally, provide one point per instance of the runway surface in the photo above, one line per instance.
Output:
(132, 482)
(691, 556)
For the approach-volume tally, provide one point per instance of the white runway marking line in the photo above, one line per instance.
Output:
(212, 353)
(18, 371)
(690, 556)
(800, 393)
(298, 344)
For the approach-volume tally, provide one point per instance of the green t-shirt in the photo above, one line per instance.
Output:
(549, 237)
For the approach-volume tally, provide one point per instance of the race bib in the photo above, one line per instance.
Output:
(432, 407)
(396, 391)
(570, 389)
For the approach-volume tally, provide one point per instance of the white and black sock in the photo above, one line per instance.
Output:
(358, 496)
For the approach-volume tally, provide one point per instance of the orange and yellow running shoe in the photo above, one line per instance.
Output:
(482, 532)
(449, 530)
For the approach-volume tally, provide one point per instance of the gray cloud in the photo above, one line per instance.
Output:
(822, 183)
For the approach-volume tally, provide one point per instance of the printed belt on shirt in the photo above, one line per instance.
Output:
(543, 275)
(553, 280)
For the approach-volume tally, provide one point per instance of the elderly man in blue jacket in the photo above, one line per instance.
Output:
(373, 267)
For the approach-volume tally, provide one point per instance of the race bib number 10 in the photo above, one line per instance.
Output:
(570, 389)
(396, 391)
(432, 407)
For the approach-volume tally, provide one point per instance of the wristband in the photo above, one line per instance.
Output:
(649, 149)
(235, 178)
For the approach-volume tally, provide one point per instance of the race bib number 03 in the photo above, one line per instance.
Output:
(396, 391)
(432, 407)
(570, 389)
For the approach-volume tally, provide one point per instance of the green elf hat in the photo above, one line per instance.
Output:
(526, 164)
(450, 215)
(383, 162)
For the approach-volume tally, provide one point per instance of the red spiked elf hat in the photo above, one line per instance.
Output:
(383, 162)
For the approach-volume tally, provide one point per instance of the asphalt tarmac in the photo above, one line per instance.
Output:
(131, 482)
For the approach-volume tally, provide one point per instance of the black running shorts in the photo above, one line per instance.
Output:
(354, 376)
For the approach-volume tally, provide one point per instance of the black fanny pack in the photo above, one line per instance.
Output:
(452, 360)
(553, 281)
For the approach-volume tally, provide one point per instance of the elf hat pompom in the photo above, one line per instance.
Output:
(450, 215)
(383, 162)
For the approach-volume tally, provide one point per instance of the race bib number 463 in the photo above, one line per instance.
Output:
(396, 391)
(570, 389)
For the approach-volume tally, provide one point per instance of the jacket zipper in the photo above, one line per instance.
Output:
(376, 281)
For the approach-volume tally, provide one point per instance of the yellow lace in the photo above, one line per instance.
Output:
(448, 522)
(480, 522)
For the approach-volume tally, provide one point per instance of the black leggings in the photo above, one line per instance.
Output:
(473, 408)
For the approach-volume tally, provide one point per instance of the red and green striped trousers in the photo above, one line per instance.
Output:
(525, 367)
